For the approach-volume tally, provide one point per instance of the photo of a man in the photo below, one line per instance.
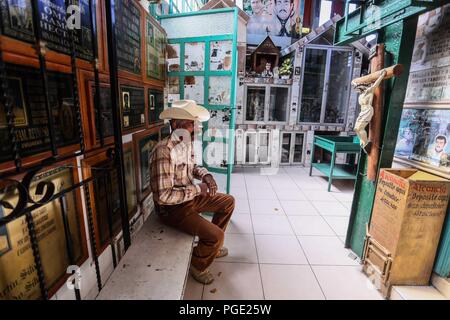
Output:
(284, 10)
(277, 18)
(126, 100)
(436, 152)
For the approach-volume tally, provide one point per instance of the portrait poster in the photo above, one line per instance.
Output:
(194, 88)
(19, 279)
(194, 56)
(173, 57)
(281, 19)
(220, 56)
(423, 137)
(219, 90)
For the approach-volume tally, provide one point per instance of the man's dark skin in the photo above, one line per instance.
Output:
(208, 181)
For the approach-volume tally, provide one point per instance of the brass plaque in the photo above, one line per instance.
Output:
(31, 121)
(18, 276)
(17, 20)
(128, 33)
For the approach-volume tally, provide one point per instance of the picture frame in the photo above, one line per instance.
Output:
(144, 142)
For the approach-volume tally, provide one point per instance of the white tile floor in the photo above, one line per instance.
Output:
(286, 241)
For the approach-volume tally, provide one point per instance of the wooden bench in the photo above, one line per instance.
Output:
(155, 267)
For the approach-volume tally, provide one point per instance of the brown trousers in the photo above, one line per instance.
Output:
(185, 217)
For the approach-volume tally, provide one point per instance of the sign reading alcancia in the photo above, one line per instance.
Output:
(18, 277)
(17, 21)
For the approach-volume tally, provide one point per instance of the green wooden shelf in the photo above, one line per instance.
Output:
(340, 171)
(336, 144)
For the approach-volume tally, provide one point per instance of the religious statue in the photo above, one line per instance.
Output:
(267, 73)
(365, 99)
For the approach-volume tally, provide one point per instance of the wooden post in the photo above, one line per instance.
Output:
(376, 64)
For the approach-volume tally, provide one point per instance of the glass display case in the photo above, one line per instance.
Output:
(325, 85)
(291, 147)
(267, 103)
(257, 147)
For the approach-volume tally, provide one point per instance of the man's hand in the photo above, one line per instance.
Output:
(203, 189)
(211, 183)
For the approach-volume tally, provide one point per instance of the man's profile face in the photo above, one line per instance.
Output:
(256, 6)
(440, 144)
(283, 8)
(187, 125)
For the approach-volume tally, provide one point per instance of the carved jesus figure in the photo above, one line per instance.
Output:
(365, 99)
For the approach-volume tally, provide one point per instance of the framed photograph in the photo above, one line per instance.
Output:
(423, 139)
(105, 197)
(132, 106)
(144, 142)
(16, 256)
(130, 178)
(18, 106)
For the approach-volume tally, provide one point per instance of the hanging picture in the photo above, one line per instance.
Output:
(423, 137)
(220, 56)
(194, 88)
(173, 57)
(219, 90)
(194, 56)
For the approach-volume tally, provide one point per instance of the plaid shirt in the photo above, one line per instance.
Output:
(172, 172)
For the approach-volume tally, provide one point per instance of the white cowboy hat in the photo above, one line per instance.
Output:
(186, 110)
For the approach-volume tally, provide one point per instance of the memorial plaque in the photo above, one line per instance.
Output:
(17, 21)
(128, 24)
(133, 107)
(104, 112)
(145, 147)
(155, 105)
(430, 85)
(155, 42)
(32, 133)
(18, 278)
(130, 181)
(107, 200)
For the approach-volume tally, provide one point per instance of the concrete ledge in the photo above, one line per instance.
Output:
(415, 293)
(155, 267)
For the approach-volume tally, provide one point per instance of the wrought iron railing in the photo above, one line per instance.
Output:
(26, 189)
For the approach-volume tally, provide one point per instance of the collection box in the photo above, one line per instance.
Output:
(407, 219)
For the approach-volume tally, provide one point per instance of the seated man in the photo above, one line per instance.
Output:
(178, 201)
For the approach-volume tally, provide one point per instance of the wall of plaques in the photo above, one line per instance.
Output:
(79, 124)
(423, 139)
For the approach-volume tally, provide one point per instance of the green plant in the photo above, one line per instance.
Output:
(286, 68)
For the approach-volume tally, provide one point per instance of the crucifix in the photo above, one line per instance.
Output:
(370, 100)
